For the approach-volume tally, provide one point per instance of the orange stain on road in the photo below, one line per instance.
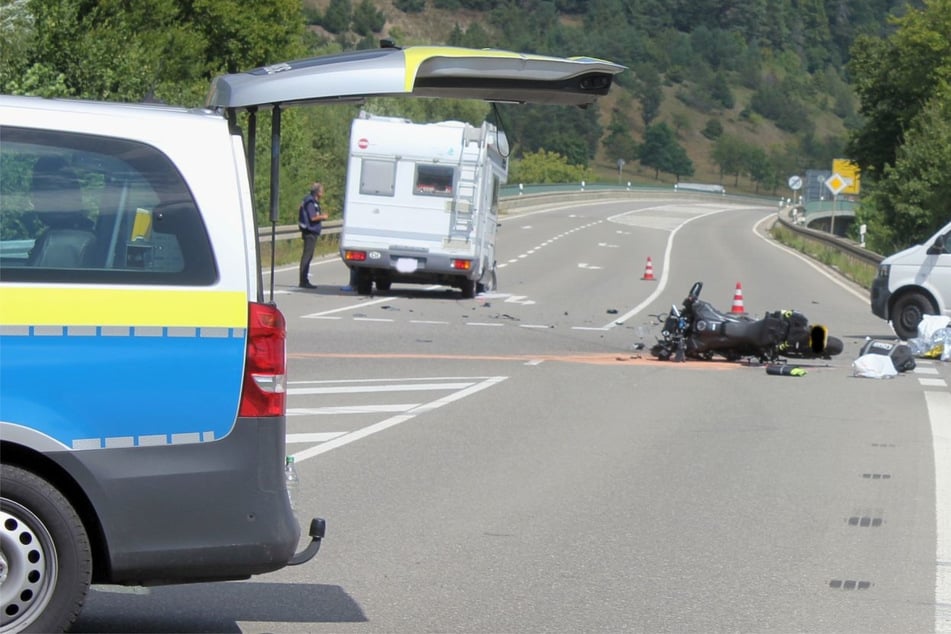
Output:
(590, 359)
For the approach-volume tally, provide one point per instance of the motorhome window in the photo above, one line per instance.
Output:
(496, 185)
(434, 180)
(79, 208)
(377, 178)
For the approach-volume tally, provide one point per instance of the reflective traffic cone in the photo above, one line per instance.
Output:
(649, 270)
(738, 300)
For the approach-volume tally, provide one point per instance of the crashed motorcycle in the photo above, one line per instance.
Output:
(697, 330)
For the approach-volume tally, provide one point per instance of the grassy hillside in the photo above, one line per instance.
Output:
(434, 26)
(753, 130)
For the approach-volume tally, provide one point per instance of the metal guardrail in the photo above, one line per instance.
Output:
(289, 232)
(532, 196)
(544, 195)
(853, 250)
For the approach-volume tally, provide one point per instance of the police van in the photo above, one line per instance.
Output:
(142, 367)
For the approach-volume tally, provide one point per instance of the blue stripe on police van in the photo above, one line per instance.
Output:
(120, 331)
(113, 383)
(143, 441)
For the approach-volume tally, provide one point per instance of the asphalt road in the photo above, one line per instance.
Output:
(512, 463)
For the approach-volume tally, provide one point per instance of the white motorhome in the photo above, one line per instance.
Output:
(421, 203)
(913, 283)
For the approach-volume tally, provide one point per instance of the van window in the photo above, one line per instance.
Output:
(78, 208)
(434, 180)
(377, 178)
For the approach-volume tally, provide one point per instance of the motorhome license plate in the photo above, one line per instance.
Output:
(407, 265)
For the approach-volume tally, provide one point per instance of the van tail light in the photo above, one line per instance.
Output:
(265, 366)
(462, 265)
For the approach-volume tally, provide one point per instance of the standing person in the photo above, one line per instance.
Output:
(309, 220)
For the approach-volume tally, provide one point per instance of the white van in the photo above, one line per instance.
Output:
(913, 283)
(421, 203)
(142, 370)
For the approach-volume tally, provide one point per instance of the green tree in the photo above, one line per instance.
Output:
(720, 90)
(902, 146)
(555, 128)
(648, 92)
(760, 168)
(661, 152)
(126, 51)
(473, 37)
(338, 16)
(619, 142)
(910, 202)
(727, 154)
(367, 19)
(713, 129)
(410, 6)
(894, 78)
(546, 167)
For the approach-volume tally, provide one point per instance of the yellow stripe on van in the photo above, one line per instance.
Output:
(84, 306)
(414, 56)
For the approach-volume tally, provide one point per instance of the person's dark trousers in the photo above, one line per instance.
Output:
(307, 254)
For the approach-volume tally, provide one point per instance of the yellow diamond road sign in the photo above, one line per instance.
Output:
(837, 183)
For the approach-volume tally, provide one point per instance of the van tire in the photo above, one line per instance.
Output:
(908, 311)
(489, 281)
(364, 283)
(468, 288)
(48, 555)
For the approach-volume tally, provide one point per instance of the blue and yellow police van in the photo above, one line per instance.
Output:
(142, 362)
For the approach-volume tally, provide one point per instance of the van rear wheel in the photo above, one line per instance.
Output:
(489, 281)
(907, 313)
(468, 288)
(364, 283)
(47, 561)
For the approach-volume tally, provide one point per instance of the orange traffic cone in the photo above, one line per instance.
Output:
(738, 300)
(649, 270)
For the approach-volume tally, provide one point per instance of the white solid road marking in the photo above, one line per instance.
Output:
(350, 409)
(363, 389)
(358, 434)
(939, 411)
(363, 303)
(313, 437)
(809, 261)
(665, 268)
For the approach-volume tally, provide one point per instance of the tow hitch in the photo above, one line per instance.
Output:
(318, 528)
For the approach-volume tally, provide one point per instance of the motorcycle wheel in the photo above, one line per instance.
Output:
(833, 347)
(661, 352)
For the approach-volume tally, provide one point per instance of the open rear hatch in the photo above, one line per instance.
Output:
(419, 71)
